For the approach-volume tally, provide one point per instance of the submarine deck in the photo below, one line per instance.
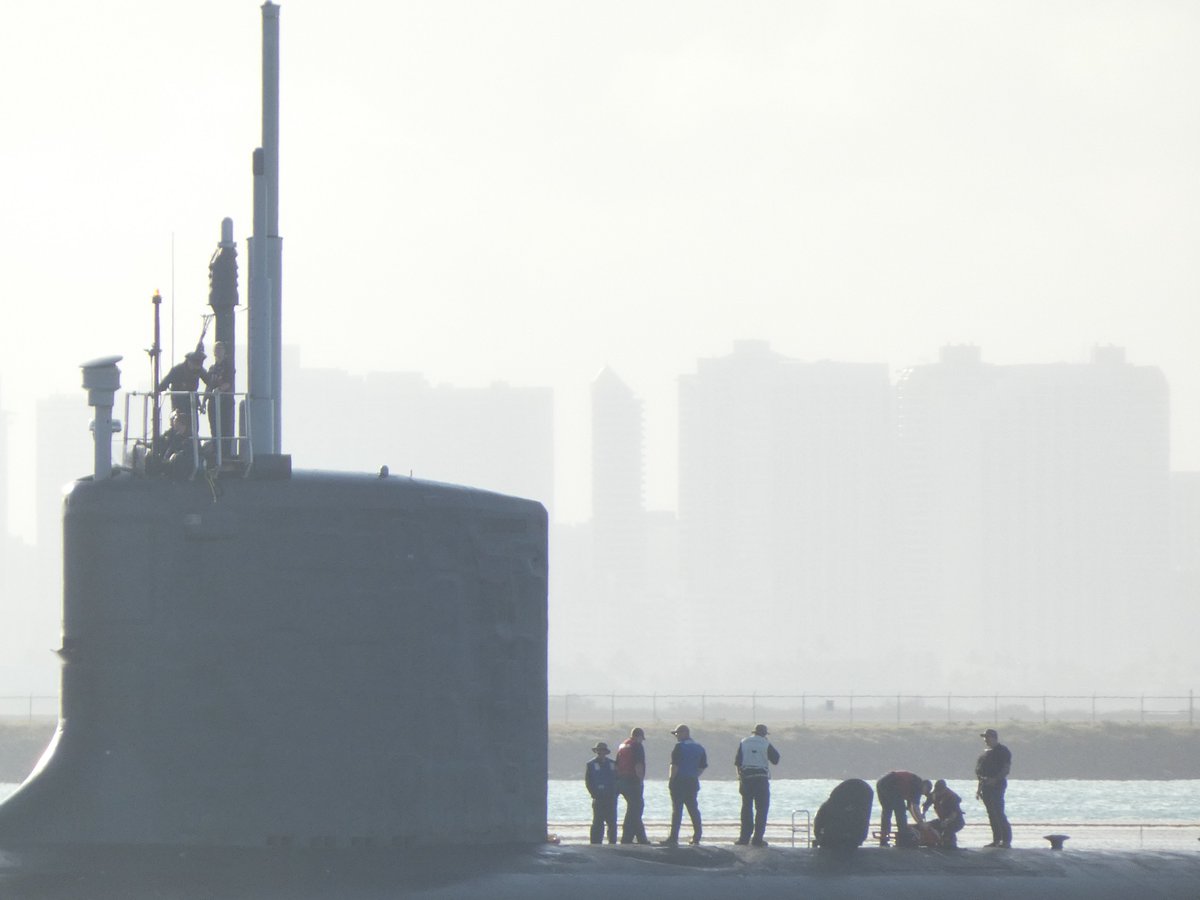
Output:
(593, 872)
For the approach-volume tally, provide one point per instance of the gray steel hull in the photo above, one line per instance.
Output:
(325, 660)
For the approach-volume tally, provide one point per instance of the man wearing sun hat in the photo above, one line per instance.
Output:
(992, 771)
(600, 776)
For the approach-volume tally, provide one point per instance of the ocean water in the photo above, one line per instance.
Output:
(1099, 814)
(1130, 802)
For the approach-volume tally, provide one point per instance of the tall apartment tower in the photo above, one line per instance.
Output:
(1035, 507)
(61, 457)
(5, 455)
(784, 498)
(940, 455)
(1076, 488)
(1185, 551)
(618, 504)
(498, 438)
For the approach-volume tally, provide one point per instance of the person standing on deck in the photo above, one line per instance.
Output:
(183, 380)
(992, 771)
(631, 782)
(220, 384)
(688, 760)
(755, 755)
(600, 776)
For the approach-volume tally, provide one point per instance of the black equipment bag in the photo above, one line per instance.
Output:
(845, 818)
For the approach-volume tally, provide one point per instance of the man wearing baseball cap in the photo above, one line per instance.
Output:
(688, 760)
(992, 771)
(631, 778)
(754, 756)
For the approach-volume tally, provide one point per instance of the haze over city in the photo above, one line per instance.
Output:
(528, 193)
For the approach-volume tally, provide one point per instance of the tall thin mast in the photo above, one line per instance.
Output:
(265, 351)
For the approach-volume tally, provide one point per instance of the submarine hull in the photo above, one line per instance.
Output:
(322, 660)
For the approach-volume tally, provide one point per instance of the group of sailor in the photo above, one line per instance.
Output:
(899, 793)
(183, 383)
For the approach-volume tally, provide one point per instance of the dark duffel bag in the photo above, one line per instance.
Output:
(845, 818)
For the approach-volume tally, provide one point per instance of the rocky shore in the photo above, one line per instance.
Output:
(1100, 751)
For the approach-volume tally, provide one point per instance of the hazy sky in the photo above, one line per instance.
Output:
(528, 191)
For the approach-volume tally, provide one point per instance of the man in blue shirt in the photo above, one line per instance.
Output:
(688, 760)
(601, 780)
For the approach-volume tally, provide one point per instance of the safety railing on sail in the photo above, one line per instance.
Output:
(179, 447)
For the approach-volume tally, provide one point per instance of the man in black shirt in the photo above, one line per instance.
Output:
(992, 771)
(185, 377)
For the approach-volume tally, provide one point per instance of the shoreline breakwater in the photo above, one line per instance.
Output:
(1115, 751)
(1102, 751)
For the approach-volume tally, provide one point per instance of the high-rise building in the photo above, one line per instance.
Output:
(784, 496)
(499, 438)
(618, 507)
(5, 456)
(1185, 526)
(1185, 560)
(1034, 506)
(939, 486)
(64, 453)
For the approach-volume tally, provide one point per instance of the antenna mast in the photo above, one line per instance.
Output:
(155, 353)
(265, 321)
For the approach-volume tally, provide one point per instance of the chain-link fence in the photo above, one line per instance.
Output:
(874, 709)
(812, 709)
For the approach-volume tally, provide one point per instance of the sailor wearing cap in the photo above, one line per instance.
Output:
(992, 771)
(755, 754)
(600, 776)
(688, 760)
(184, 380)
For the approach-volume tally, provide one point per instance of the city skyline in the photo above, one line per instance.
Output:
(530, 192)
(824, 495)
(21, 440)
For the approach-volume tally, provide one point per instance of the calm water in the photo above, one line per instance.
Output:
(1137, 802)
(1100, 814)
(1097, 814)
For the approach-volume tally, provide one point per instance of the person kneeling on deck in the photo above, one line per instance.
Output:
(754, 756)
(898, 793)
(948, 807)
